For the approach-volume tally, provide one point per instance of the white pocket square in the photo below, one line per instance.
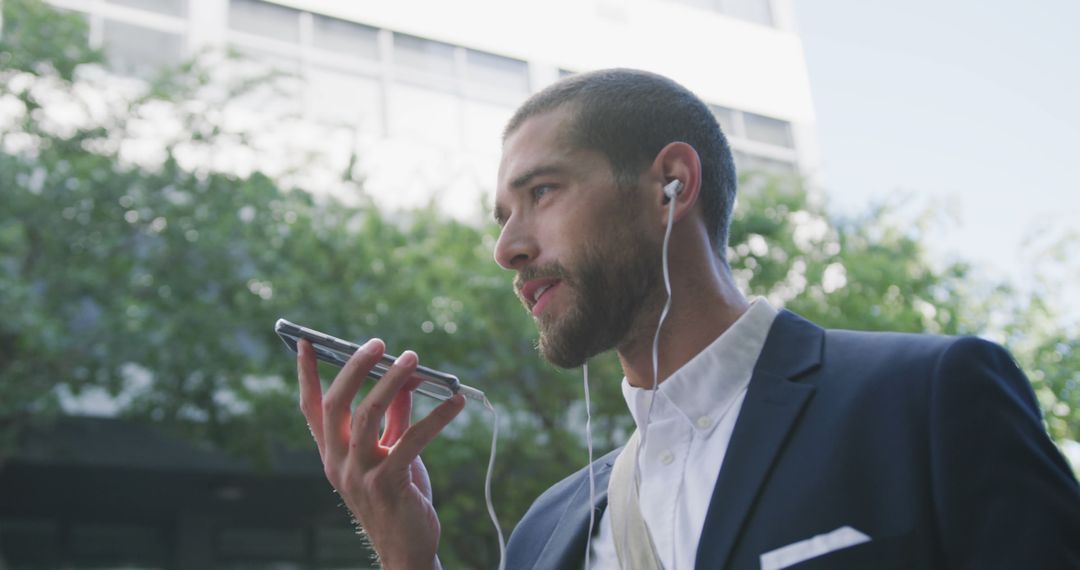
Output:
(797, 552)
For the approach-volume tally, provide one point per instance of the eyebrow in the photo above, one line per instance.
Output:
(523, 180)
(544, 170)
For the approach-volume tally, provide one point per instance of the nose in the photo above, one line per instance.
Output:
(516, 247)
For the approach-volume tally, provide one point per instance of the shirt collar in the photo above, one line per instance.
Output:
(703, 389)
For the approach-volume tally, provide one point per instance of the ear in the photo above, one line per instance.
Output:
(676, 161)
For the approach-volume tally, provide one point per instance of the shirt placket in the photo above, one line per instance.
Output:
(664, 461)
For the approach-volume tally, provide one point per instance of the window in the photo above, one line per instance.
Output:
(281, 90)
(255, 60)
(127, 48)
(745, 162)
(168, 7)
(384, 83)
(345, 38)
(768, 130)
(760, 144)
(726, 118)
(754, 127)
(489, 71)
(265, 19)
(427, 56)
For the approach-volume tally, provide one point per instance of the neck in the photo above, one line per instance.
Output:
(703, 305)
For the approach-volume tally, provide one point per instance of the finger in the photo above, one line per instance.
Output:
(420, 477)
(307, 371)
(399, 416)
(337, 402)
(416, 438)
(370, 412)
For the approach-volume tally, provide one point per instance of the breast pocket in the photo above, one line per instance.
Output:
(887, 553)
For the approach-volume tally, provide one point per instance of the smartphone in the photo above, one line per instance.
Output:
(333, 350)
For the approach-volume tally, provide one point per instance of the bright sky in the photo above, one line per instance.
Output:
(971, 106)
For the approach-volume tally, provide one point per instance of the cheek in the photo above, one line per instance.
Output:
(575, 223)
(560, 233)
(577, 217)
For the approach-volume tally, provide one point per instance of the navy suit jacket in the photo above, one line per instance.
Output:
(931, 446)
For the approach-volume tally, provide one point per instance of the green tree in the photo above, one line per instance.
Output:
(1044, 342)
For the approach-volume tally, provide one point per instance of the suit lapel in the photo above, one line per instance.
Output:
(566, 546)
(769, 412)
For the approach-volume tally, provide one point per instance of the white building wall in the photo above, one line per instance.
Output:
(421, 97)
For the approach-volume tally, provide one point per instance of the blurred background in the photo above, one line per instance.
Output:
(175, 175)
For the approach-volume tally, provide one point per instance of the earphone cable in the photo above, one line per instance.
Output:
(655, 359)
(487, 481)
(592, 478)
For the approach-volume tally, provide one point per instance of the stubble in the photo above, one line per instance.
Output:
(612, 286)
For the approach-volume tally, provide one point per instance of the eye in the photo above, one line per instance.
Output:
(541, 190)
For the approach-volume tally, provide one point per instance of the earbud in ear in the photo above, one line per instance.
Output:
(672, 189)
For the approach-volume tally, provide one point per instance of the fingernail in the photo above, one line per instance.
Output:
(368, 347)
(407, 358)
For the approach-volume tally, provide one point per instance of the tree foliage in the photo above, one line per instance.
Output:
(158, 285)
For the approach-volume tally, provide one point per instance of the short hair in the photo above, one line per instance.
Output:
(629, 116)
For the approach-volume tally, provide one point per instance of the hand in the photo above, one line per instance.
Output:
(381, 479)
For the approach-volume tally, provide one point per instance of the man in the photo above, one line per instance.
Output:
(771, 443)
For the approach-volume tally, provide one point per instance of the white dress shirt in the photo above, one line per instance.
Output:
(687, 438)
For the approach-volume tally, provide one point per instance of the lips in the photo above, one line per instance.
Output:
(538, 292)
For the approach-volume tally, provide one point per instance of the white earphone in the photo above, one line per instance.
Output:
(672, 189)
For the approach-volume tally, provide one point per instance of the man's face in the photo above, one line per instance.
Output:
(586, 268)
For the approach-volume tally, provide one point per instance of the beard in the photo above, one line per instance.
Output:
(612, 287)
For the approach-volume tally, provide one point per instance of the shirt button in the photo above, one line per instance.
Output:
(667, 457)
(704, 422)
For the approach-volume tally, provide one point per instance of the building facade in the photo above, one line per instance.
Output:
(419, 90)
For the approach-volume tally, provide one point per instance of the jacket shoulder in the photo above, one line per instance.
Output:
(550, 509)
(924, 355)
